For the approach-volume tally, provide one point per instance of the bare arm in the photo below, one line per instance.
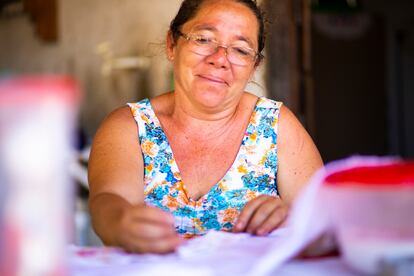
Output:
(116, 164)
(297, 154)
(116, 201)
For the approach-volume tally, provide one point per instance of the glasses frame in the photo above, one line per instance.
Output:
(191, 38)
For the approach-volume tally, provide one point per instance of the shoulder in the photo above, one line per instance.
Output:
(287, 116)
(291, 130)
(117, 124)
(122, 115)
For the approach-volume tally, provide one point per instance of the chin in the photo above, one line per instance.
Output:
(211, 97)
(210, 102)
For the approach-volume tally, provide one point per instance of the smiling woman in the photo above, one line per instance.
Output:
(206, 156)
(211, 78)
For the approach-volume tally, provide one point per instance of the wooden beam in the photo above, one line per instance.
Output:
(307, 74)
(282, 55)
(43, 14)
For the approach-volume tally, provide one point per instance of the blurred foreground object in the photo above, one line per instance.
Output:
(371, 208)
(37, 119)
(367, 204)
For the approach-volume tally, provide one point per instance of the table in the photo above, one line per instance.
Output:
(217, 253)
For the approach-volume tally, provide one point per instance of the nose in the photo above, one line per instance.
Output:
(219, 58)
(222, 47)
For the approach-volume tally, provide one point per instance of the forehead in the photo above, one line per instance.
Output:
(225, 17)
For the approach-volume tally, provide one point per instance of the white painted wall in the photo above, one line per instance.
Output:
(133, 27)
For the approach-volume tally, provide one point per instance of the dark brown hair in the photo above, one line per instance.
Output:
(189, 9)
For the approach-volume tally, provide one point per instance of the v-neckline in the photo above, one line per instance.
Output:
(174, 165)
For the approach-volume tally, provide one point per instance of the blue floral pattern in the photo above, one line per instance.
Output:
(253, 172)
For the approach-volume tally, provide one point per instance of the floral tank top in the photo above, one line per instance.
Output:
(253, 172)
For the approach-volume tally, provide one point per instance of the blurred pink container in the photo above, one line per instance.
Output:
(372, 210)
(37, 119)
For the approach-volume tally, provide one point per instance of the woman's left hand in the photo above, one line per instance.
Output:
(261, 215)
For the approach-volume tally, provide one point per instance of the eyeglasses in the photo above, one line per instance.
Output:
(205, 46)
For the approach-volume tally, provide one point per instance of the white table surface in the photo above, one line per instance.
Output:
(214, 254)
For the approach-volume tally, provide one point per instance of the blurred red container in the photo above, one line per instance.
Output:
(372, 209)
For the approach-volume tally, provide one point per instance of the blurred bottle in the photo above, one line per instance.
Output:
(37, 120)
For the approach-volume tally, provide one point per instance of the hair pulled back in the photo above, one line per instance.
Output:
(189, 9)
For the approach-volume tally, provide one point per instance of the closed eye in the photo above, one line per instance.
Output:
(203, 40)
(242, 51)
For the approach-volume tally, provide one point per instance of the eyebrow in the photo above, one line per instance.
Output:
(203, 27)
(206, 27)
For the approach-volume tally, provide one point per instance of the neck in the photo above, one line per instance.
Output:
(205, 120)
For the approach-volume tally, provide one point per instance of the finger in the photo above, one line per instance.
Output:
(273, 221)
(137, 242)
(247, 212)
(152, 214)
(159, 246)
(262, 213)
(150, 230)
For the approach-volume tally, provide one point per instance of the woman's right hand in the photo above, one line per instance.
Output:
(146, 229)
(116, 191)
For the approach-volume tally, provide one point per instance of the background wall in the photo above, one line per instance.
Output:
(363, 85)
(399, 15)
(131, 27)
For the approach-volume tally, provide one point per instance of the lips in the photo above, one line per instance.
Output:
(215, 79)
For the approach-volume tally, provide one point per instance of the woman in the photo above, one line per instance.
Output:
(207, 155)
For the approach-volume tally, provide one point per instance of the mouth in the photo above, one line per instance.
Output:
(213, 79)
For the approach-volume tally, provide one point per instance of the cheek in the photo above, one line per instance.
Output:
(187, 65)
(184, 71)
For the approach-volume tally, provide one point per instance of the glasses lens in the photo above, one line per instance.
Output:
(203, 49)
(206, 46)
(240, 55)
(202, 45)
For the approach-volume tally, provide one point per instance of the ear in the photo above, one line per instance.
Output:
(170, 46)
(258, 62)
